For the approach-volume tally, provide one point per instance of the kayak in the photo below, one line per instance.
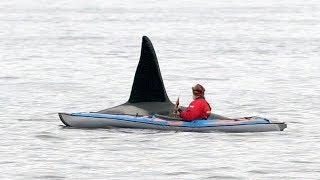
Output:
(97, 120)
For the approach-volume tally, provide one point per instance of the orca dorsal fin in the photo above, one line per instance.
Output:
(148, 84)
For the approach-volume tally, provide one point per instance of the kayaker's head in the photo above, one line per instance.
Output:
(198, 91)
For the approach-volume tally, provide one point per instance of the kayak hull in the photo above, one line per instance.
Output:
(92, 120)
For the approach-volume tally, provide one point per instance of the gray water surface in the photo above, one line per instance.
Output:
(253, 57)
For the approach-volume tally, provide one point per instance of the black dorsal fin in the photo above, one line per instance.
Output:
(148, 84)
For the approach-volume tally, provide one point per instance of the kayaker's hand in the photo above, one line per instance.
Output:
(176, 111)
(179, 110)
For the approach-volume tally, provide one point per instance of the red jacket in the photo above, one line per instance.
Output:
(198, 109)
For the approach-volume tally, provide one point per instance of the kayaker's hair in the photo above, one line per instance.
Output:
(198, 90)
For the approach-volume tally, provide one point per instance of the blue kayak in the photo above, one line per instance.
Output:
(97, 120)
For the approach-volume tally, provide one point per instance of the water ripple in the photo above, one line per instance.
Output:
(258, 58)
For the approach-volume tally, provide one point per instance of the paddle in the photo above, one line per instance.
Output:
(176, 107)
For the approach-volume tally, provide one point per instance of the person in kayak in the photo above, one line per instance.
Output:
(199, 108)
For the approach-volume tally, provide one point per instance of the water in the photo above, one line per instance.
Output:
(254, 58)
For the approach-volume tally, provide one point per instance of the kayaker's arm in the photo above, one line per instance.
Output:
(192, 112)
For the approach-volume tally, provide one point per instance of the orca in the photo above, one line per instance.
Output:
(148, 94)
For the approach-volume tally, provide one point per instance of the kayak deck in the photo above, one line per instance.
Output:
(96, 120)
